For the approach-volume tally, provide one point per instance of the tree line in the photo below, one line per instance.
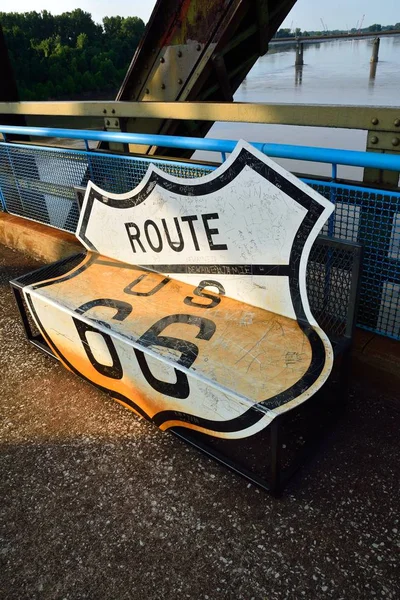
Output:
(69, 55)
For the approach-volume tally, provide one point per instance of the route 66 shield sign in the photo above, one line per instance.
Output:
(191, 305)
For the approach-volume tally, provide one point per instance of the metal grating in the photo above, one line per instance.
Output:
(38, 183)
(332, 277)
(371, 218)
(119, 174)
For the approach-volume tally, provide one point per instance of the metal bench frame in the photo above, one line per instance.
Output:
(328, 254)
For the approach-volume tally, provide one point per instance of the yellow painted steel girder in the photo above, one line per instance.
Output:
(372, 118)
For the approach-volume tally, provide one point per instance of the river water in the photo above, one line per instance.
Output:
(334, 72)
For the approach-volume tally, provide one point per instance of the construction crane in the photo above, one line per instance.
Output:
(324, 27)
(361, 23)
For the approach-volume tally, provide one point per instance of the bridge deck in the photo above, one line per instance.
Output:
(84, 498)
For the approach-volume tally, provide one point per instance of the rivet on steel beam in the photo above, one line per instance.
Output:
(163, 86)
(104, 112)
(374, 140)
(397, 123)
(162, 60)
(180, 81)
(395, 141)
(179, 53)
(113, 111)
(108, 122)
(116, 123)
(198, 47)
(374, 121)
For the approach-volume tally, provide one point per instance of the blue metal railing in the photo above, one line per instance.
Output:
(334, 156)
(37, 182)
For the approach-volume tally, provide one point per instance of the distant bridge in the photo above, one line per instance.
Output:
(337, 36)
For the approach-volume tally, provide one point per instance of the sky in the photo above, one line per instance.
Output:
(306, 14)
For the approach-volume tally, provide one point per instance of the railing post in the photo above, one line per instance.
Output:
(21, 206)
(331, 233)
(90, 166)
(332, 197)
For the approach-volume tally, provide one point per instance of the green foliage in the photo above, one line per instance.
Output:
(284, 33)
(67, 55)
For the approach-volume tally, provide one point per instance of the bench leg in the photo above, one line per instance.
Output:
(344, 376)
(22, 312)
(275, 456)
(36, 340)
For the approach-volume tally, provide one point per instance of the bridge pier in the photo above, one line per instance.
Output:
(372, 73)
(298, 76)
(375, 50)
(299, 62)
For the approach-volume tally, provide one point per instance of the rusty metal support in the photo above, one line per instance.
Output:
(196, 50)
(223, 77)
(262, 7)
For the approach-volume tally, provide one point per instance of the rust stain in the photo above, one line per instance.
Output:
(193, 21)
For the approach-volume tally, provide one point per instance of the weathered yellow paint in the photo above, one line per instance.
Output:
(353, 117)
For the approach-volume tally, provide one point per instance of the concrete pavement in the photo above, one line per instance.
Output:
(98, 504)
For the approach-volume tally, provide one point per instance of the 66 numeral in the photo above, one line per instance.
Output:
(152, 337)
